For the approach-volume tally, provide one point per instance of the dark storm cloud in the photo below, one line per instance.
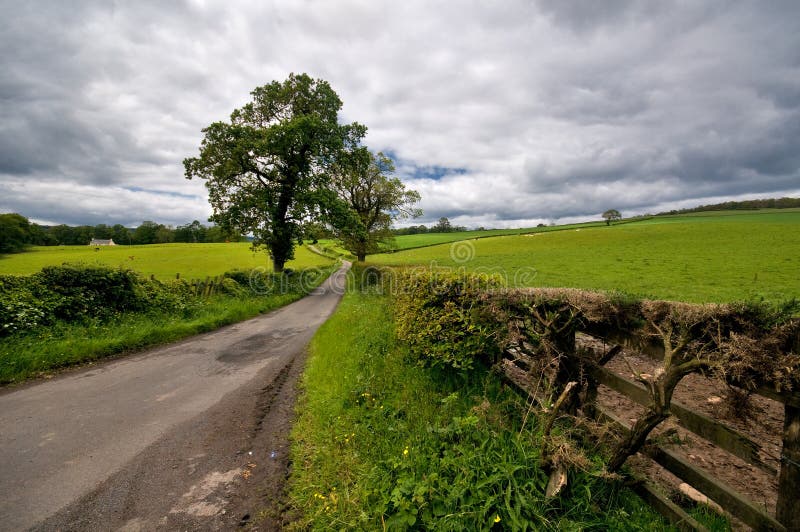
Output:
(499, 114)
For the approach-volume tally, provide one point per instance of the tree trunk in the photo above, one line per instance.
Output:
(361, 257)
(636, 437)
(661, 390)
(277, 264)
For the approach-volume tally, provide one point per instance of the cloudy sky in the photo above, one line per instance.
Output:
(501, 114)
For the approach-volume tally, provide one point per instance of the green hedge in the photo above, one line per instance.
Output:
(438, 316)
(77, 292)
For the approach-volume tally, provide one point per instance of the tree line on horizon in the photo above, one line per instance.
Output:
(17, 232)
(745, 205)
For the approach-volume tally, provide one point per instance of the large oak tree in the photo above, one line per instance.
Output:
(266, 169)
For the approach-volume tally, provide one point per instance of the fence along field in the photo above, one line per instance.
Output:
(708, 257)
(713, 258)
(751, 346)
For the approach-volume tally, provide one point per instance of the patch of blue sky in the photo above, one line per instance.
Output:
(169, 193)
(410, 169)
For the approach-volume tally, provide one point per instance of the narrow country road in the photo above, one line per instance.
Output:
(187, 436)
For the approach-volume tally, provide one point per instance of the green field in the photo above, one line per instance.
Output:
(717, 257)
(431, 239)
(163, 261)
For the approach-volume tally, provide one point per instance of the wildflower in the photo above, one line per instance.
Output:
(405, 451)
(496, 518)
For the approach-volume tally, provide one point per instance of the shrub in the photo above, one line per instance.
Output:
(174, 295)
(232, 288)
(19, 310)
(75, 292)
(439, 316)
(79, 291)
(242, 277)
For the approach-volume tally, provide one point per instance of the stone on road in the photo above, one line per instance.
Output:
(163, 439)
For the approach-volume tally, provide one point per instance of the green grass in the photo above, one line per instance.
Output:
(734, 256)
(384, 444)
(431, 239)
(163, 261)
(42, 350)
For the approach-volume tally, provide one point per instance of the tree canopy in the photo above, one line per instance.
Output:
(15, 233)
(266, 169)
(611, 214)
(362, 180)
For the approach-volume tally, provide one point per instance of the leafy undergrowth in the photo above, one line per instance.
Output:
(382, 443)
(63, 343)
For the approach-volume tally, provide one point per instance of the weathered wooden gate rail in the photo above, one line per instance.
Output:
(749, 344)
(206, 287)
(788, 508)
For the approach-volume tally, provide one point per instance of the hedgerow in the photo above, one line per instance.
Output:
(73, 293)
(438, 314)
(452, 320)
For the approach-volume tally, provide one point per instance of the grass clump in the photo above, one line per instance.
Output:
(384, 443)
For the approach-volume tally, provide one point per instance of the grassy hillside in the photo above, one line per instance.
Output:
(712, 258)
(431, 239)
(161, 260)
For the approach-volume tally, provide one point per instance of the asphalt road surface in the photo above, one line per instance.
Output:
(188, 436)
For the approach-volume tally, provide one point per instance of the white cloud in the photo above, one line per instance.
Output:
(555, 109)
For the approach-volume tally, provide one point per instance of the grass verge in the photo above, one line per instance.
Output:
(384, 444)
(41, 350)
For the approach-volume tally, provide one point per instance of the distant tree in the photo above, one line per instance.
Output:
(265, 169)
(411, 230)
(193, 232)
(121, 234)
(146, 233)
(362, 179)
(61, 233)
(314, 231)
(164, 234)
(217, 233)
(610, 215)
(101, 231)
(15, 233)
(40, 236)
(442, 226)
(82, 235)
(771, 203)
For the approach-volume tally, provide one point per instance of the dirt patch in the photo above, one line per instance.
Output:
(764, 425)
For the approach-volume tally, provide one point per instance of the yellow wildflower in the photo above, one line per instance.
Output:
(496, 518)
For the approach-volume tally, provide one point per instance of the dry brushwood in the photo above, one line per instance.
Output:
(684, 336)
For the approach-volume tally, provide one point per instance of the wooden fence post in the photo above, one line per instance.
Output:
(788, 513)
